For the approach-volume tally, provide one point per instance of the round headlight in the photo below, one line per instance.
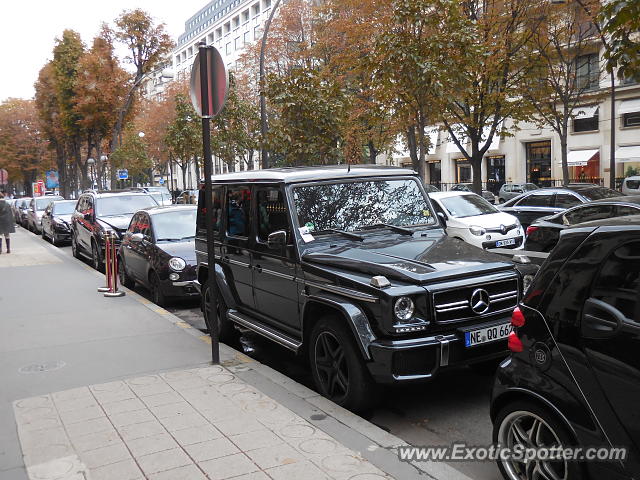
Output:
(477, 231)
(177, 264)
(403, 308)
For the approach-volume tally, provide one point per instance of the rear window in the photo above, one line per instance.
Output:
(596, 193)
(633, 184)
(542, 200)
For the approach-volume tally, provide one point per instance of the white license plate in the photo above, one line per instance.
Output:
(504, 243)
(486, 335)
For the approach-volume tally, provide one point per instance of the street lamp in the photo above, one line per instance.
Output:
(263, 104)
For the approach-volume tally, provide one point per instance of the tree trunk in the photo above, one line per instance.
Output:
(413, 150)
(373, 153)
(564, 156)
(184, 167)
(62, 170)
(422, 171)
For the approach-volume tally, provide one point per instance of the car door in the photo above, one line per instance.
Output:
(140, 252)
(128, 247)
(46, 220)
(532, 206)
(274, 270)
(86, 219)
(236, 254)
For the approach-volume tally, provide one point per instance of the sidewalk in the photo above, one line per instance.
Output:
(135, 395)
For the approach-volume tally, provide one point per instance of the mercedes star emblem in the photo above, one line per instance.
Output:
(479, 301)
(503, 229)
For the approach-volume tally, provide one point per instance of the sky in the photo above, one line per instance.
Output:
(28, 29)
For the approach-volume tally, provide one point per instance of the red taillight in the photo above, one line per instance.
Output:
(531, 229)
(514, 343)
(517, 318)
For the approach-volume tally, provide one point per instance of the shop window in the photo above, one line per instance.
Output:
(631, 119)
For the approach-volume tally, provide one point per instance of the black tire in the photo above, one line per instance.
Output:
(550, 432)
(125, 280)
(156, 292)
(74, 247)
(54, 239)
(96, 261)
(43, 235)
(226, 331)
(337, 367)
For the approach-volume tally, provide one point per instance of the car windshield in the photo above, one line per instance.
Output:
(175, 225)
(63, 208)
(42, 203)
(356, 205)
(160, 196)
(123, 204)
(596, 193)
(467, 206)
(530, 186)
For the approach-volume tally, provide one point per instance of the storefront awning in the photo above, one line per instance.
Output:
(628, 154)
(579, 158)
(586, 112)
(629, 106)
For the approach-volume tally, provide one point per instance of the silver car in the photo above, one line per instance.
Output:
(512, 190)
(36, 208)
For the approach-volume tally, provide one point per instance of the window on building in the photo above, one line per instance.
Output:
(190, 51)
(586, 120)
(218, 33)
(210, 38)
(227, 28)
(256, 32)
(266, 4)
(227, 48)
(247, 37)
(255, 9)
(539, 163)
(631, 119)
(236, 22)
(236, 43)
(588, 71)
(177, 58)
(245, 16)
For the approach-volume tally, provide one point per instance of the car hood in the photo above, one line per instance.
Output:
(118, 222)
(63, 218)
(185, 250)
(420, 260)
(492, 220)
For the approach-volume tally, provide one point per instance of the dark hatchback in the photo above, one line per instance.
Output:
(56, 221)
(543, 234)
(530, 206)
(97, 213)
(573, 377)
(158, 252)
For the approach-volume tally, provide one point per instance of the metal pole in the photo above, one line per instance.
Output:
(612, 147)
(206, 98)
(263, 105)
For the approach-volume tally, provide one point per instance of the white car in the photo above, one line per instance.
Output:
(471, 218)
(631, 185)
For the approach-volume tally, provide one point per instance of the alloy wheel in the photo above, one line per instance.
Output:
(95, 257)
(528, 430)
(331, 366)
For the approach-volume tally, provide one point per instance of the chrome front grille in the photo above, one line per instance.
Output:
(455, 304)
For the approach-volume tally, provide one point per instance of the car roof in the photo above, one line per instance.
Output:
(635, 199)
(306, 174)
(627, 221)
(168, 208)
(107, 194)
(633, 177)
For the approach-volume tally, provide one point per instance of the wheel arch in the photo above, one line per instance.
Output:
(222, 282)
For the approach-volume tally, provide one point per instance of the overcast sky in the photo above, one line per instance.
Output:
(28, 29)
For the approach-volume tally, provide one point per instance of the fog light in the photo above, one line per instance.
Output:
(173, 277)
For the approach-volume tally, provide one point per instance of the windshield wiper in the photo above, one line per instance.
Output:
(168, 239)
(395, 228)
(354, 236)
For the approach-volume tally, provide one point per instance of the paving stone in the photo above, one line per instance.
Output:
(252, 440)
(161, 461)
(229, 466)
(67, 468)
(220, 447)
(148, 390)
(172, 410)
(239, 425)
(39, 424)
(256, 476)
(162, 399)
(114, 396)
(201, 433)
(33, 402)
(72, 394)
(47, 453)
(276, 455)
(306, 470)
(27, 415)
(125, 470)
(43, 438)
(189, 472)
(81, 415)
(76, 404)
(219, 414)
(140, 430)
(181, 422)
(96, 425)
(151, 444)
(129, 405)
(92, 441)
(129, 418)
(105, 455)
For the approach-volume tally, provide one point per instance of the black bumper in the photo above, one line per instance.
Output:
(179, 289)
(395, 361)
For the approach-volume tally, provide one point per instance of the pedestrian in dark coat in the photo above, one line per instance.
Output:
(7, 222)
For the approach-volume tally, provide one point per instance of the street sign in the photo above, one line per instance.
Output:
(4, 176)
(123, 174)
(217, 83)
(161, 181)
(53, 179)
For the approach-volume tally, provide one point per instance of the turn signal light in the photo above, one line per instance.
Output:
(517, 317)
(514, 343)
(530, 230)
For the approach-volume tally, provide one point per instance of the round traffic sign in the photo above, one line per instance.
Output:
(217, 83)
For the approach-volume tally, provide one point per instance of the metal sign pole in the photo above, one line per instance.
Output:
(206, 100)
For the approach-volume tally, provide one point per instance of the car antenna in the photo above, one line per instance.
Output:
(348, 166)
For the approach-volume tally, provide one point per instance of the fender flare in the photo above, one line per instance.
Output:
(224, 288)
(356, 318)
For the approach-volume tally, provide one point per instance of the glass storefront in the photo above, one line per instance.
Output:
(539, 163)
(464, 173)
(495, 173)
(435, 173)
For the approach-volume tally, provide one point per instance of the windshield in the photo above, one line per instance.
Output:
(42, 203)
(530, 186)
(597, 193)
(467, 206)
(123, 204)
(355, 205)
(160, 196)
(175, 225)
(64, 208)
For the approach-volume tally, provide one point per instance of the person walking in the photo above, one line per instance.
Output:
(7, 222)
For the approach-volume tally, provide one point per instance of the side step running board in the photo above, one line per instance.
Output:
(264, 330)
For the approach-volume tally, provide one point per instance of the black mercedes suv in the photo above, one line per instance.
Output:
(352, 268)
(99, 212)
(573, 377)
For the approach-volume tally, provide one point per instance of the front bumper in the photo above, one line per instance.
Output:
(400, 361)
(180, 289)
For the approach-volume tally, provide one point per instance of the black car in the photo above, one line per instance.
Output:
(97, 213)
(158, 251)
(543, 234)
(22, 210)
(532, 205)
(56, 221)
(573, 377)
(353, 268)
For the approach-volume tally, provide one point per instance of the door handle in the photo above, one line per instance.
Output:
(258, 268)
(225, 259)
(600, 320)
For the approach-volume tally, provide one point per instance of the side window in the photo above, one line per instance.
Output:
(145, 225)
(618, 282)
(624, 210)
(540, 200)
(88, 205)
(566, 200)
(507, 187)
(82, 205)
(201, 224)
(238, 208)
(587, 214)
(272, 213)
(517, 189)
(134, 226)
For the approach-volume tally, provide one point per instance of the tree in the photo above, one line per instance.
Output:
(147, 44)
(563, 81)
(184, 136)
(132, 154)
(621, 23)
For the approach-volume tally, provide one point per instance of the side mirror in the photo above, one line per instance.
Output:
(137, 238)
(443, 218)
(277, 240)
